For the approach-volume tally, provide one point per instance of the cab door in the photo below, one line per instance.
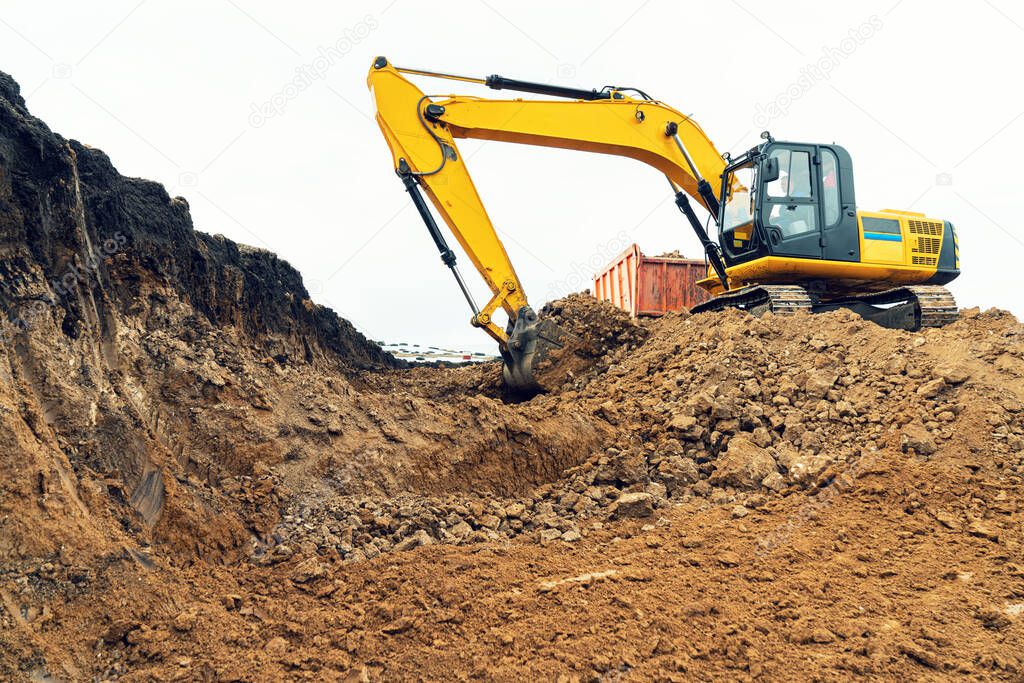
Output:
(790, 209)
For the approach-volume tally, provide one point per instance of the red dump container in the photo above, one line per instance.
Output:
(651, 285)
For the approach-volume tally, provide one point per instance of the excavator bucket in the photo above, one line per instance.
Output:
(537, 353)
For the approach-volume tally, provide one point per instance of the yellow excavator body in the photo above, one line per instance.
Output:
(884, 262)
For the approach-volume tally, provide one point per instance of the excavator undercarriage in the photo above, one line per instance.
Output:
(903, 308)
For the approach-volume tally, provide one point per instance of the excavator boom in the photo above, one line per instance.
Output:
(421, 131)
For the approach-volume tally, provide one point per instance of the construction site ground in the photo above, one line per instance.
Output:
(204, 475)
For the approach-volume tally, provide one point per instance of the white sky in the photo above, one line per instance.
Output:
(928, 105)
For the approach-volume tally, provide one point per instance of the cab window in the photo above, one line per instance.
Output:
(794, 181)
(830, 186)
(793, 219)
(739, 200)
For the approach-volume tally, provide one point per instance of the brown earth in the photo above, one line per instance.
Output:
(204, 475)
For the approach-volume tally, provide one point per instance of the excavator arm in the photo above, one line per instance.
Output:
(421, 131)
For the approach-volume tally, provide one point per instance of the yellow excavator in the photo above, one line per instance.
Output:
(790, 237)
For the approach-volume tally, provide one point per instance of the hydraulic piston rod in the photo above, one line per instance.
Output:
(710, 248)
(496, 82)
(703, 186)
(447, 255)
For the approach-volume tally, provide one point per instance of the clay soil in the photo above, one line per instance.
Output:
(884, 539)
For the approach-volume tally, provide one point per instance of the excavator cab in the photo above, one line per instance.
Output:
(788, 215)
(788, 199)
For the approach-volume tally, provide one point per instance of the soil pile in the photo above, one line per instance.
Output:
(601, 327)
(596, 328)
(205, 475)
(733, 412)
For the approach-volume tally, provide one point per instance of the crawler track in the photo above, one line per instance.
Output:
(910, 308)
(934, 305)
(760, 299)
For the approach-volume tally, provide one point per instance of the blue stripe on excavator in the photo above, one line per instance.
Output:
(882, 236)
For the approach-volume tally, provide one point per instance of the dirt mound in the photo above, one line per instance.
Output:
(733, 412)
(601, 327)
(589, 330)
(207, 476)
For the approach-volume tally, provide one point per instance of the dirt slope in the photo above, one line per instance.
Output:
(204, 475)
